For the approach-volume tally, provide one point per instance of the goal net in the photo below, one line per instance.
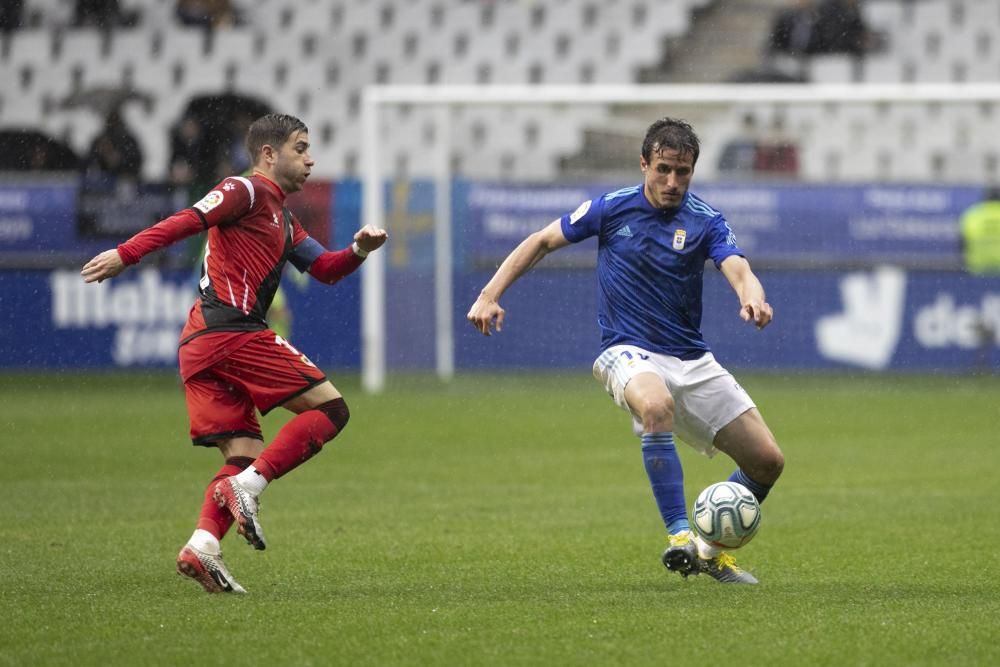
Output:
(812, 176)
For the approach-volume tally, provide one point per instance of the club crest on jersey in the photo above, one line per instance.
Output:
(680, 236)
(580, 212)
(274, 218)
(210, 201)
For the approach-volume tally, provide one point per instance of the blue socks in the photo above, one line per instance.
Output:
(759, 490)
(667, 479)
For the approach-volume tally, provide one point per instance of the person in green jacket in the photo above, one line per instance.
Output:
(980, 227)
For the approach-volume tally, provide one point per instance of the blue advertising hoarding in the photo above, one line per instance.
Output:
(877, 319)
(38, 215)
(783, 224)
(848, 315)
(52, 319)
(50, 220)
(883, 318)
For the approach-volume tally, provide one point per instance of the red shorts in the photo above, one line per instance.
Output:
(260, 371)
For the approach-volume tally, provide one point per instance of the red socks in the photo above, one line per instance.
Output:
(213, 518)
(298, 441)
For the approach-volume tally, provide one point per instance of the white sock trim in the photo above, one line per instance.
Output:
(202, 540)
(252, 481)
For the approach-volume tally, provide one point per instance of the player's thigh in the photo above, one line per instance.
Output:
(242, 446)
(750, 443)
(218, 410)
(649, 399)
(318, 395)
(620, 366)
(272, 372)
(641, 383)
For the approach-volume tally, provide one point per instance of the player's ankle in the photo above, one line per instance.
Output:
(706, 550)
(202, 540)
(251, 480)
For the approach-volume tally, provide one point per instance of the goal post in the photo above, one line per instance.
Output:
(443, 99)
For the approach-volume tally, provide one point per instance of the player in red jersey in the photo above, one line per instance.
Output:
(231, 363)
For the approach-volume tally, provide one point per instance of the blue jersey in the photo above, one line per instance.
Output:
(650, 267)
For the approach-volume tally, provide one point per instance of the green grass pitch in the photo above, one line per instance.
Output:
(502, 520)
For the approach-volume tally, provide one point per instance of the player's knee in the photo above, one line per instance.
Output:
(338, 414)
(657, 413)
(770, 465)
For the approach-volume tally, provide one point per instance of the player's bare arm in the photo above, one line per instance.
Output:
(106, 265)
(753, 304)
(486, 311)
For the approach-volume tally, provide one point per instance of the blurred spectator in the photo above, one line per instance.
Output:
(219, 147)
(756, 153)
(840, 28)
(793, 31)
(186, 150)
(104, 14)
(233, 157)
(11, 15)
(114, 153)
(739, 155)
(777, 154)
(32, 150)
(209, 14)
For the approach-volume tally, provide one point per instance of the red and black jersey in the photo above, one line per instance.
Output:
(250, 237)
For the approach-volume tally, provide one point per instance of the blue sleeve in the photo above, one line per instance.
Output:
(305, 253)
(721, 241)
(585, 221)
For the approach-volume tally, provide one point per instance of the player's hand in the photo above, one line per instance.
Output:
(758, 312)
(484, 313)
(106, 265)
(370, 238)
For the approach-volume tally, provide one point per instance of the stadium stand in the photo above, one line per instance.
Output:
(313, 58)
(925, 41)
(326, 53)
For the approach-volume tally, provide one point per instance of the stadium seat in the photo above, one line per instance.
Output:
(835, 68)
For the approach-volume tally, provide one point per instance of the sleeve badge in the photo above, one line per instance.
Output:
(580, 212)
(210, 201)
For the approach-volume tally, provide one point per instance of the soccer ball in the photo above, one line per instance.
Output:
(726, 515)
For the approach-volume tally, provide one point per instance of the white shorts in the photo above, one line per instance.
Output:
(706, 396)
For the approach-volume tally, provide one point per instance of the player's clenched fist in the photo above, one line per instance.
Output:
(106, 265)
(758, 312)
(370, 238)
(484, 312)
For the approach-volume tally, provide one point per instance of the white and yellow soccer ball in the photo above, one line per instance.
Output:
(726, 515)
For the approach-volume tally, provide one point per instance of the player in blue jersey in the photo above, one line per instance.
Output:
(654, 240)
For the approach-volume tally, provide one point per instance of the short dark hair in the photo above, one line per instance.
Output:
(273, 129)
(671, 133)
